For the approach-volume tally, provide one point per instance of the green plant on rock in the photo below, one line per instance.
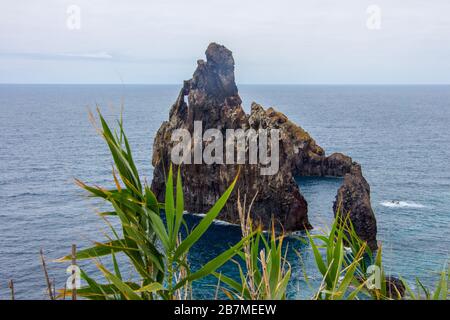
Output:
(152, 244)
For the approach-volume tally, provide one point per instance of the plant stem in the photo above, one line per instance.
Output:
(47, 279)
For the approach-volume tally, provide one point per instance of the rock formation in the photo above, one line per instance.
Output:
(211, 96)
(395, 288)
(353, 198)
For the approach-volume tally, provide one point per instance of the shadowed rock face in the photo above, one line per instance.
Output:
(211, 96)
(353, 198)
(395, 288)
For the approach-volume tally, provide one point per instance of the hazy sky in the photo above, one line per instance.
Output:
(276, 41)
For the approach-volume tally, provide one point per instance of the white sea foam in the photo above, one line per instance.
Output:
(216, 221)
(224, 223)
(401, 204)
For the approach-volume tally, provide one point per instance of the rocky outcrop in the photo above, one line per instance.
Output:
(211, 96)
(213, 99)
(353, 198)
(395, 288)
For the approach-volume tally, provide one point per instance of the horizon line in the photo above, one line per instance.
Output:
(238, 84)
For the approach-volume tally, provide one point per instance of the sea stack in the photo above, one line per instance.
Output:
(353, 198)
(212, 97)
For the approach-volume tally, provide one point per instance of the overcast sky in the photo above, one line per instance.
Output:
(276, 41)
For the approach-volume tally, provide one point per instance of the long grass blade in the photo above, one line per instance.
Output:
(204, 224)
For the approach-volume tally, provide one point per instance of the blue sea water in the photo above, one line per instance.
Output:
(400, 135)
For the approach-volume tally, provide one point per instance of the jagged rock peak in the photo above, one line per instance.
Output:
(216, 75)
(219, 56)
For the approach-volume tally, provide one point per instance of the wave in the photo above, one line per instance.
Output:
(24, 194)
(216, 221)
(401, 204)
(224, 223)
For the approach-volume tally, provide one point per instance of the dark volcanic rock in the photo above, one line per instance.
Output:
(211, 96)
(395, 289)
(353, 198)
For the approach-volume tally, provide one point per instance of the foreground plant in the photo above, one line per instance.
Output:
(340, 277)
(150, 237)
(440, 292)
(350, 270)
(152, 244)
(266, 273)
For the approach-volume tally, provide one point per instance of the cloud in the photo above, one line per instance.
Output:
(94, 55)
(288, 41)
(57, 56)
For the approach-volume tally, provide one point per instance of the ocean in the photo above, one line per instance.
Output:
(399, 134)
